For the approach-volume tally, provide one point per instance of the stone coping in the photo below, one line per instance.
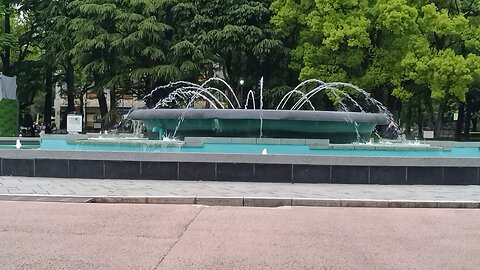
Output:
(242, 158)
(246, 201)
(130, 142)
(30, 140)
(451, 144)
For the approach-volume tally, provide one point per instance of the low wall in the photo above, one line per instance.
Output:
(241, 167)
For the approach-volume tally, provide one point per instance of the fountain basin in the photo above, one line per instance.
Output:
(240, 159)
(338, 127)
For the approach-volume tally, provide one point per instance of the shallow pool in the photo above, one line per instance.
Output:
(245, 148)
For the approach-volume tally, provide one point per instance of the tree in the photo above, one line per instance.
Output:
(121, 45)
(51, 21)
(58, 38)
(236, 37)
(7, 39)
(415, 52)
(21, 52)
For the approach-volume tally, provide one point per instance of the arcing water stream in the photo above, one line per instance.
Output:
(217, 97)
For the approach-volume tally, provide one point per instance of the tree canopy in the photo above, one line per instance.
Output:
(401, 48)
(419, 58)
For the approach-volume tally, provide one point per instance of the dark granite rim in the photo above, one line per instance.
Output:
(333, 116)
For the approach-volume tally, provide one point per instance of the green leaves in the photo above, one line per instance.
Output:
(164, 71)
(151, 24)
(381, 44)
(452, 72)
(7, 40)
(425, 54)
(266, 47)
(396, 16)
(441, 22)
(233, 37)
(288, 15)
(340, 23)
(120, 39)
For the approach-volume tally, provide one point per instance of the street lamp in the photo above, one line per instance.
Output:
(242, 82)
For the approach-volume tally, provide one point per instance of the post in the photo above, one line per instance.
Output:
(242, 82)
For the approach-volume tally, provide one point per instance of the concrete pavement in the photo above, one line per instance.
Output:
(36, 235)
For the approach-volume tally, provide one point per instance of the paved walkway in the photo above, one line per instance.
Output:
(176, 237)
(95, 187)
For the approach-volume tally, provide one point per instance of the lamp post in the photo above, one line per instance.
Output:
(242, 82)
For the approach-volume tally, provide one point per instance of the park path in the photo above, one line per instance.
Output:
(111, 187)
(40, 235)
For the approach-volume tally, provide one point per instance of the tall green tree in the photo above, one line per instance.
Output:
(414, 51)
(51, 20)
(237, 37)
(125, 46)
(96, 46)
(21, 51)
(58, 38)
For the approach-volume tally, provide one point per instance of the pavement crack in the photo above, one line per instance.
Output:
(178, 239)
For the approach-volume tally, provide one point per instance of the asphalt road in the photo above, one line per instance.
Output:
(37, 235)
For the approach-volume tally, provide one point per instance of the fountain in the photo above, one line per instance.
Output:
(294, 142)
(227, 118)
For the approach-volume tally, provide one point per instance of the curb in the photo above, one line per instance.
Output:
(246, 201)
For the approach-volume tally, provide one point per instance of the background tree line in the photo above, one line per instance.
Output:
(419, 58)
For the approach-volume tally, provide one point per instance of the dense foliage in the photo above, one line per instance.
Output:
(419, 52)
(419, 58)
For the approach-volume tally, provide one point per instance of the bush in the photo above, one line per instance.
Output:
(8, 118)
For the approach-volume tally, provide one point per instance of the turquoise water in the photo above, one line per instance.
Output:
(258, 148)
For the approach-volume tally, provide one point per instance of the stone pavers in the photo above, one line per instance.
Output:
(155, 188)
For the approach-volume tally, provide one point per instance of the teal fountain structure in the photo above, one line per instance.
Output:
(227, 118)
(294, 142)
(338, 127)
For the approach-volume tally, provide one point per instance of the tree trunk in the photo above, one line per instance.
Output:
(169, 17)
(148, 87)
(82, 113)
(113, 108)
(439, 120)
(70, 80)
(385, 97)
(430, 114)
(468, 117)
(113, 100)
(7, 69)
(408, 125)
(48, 99)
(420, 119)
(398, 109)
(461, 118)
(102, 103)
